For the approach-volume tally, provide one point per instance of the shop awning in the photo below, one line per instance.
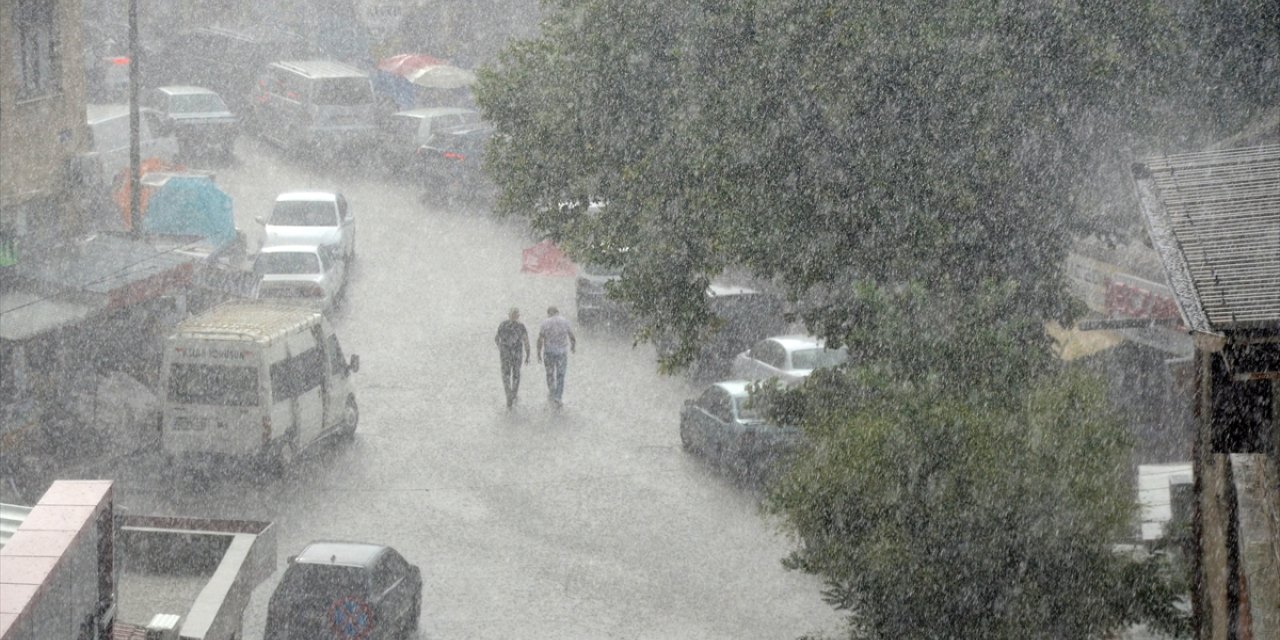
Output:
(25, 315)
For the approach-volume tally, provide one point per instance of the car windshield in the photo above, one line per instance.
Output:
(196, 103)
(213, 385)
(304, 214)
(287, 262)
(818, 358)
(343, 92)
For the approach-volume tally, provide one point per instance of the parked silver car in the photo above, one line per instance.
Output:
(320, 218)
(722, 426)
(307, 275)
(196, 116)
(788, 358)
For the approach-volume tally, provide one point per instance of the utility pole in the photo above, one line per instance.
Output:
(135, 145)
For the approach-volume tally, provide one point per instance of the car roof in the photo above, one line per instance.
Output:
(735, 388)
(797, 341)
(354, 554)
(307, 196)
(320, 69)
(429, 112)
(185, 90)
(719, 290)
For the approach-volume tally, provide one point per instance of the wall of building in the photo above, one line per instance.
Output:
(40, 132)
(56, 572)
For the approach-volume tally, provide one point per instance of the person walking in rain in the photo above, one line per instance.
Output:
(511, 337)
(555, 342)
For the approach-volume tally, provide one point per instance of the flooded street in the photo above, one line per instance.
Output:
(586, 522)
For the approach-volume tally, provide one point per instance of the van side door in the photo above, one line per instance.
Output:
(339, 381)
(298, 389)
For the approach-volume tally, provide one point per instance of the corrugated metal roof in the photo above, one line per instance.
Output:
(248, 320)
(1214, 218)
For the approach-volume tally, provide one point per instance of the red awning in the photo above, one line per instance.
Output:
(406, 63)
(547, 259)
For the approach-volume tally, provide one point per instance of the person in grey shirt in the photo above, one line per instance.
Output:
(510, 338)
(555, 342)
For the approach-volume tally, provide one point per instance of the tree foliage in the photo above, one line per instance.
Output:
(910, 175)
(935, 516)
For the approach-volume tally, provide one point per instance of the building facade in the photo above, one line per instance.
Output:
(42, 121)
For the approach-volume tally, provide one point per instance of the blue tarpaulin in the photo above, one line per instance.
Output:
(191, 206)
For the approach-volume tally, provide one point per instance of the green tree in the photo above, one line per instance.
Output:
(933, 514)
(910, 175)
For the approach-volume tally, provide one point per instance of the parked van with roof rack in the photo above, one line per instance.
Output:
(256, 381)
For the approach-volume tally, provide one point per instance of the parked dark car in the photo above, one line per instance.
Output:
(404, 132)
(746, 316)
(722, 426)
(197, 117)
(591, 299)
(346, 590)
(452, 164)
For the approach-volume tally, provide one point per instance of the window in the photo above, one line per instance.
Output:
(228, 386)
(817, 358)
(303, 213)
(343, 92)
(287, 263)
(297, 375)
(748, 410)
(389, 572)
(717, 403)
(37, 55)
(337, 363)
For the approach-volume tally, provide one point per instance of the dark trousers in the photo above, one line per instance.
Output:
(511, 374)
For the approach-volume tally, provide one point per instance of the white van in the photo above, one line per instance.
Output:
(255, 380)
(315, 103)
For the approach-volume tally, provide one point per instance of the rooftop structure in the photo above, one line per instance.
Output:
(1214, 218)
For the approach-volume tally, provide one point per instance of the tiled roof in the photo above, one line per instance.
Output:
(1214, 218)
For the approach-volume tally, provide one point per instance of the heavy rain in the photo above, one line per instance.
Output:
(770, 319)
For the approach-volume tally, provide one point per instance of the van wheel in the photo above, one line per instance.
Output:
(350, 418)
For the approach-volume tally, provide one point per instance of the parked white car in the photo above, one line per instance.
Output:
(108, 154)
(789, 358)
(317, 218)
(302, 274)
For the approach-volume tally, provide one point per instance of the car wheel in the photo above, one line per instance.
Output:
(686, 441)
(350, 418)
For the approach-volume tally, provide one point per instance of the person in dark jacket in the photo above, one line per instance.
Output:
(511, 338)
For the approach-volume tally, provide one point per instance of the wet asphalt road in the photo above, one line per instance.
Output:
(588, 522)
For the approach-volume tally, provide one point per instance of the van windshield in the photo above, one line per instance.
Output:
(213, 384)
(343, 92)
